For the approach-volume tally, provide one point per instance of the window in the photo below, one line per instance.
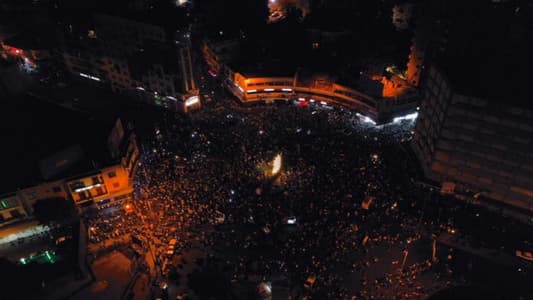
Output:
(112, 174)
(56, 189)
(97, 180)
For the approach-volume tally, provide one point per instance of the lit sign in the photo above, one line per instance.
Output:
(192, 100)
(89, 76)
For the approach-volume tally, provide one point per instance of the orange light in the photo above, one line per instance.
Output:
(128, 207)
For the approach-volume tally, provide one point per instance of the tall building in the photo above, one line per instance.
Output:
(133, 57)
(475, 125)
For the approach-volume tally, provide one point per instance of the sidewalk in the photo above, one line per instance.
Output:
(141, 290)
(493, 255)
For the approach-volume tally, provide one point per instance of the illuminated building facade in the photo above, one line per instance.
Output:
(281, 78)
(106, 187)
(133, 58)
(318, 89)
(11, 209)
(477, 143)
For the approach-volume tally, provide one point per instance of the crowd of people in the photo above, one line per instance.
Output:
(344, 209)
(210, 169)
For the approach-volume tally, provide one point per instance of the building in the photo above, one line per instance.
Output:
(279, 80)
(314, 62)
(71, 175)
(475, 143)
(475, 126)
(133, 56)
(110, 186)
(11, 209)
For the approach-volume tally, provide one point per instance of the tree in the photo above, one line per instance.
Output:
(53, 210)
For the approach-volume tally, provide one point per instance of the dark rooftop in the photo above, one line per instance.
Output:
(37, 38)
(488, 54)
(153, 53)
(41, 130)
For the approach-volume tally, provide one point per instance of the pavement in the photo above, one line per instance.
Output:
(141, 289)
(113, 273)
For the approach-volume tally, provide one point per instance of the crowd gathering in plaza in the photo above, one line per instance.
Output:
(344, 211)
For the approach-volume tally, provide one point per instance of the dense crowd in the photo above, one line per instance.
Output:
(211, 170)
(345, 209)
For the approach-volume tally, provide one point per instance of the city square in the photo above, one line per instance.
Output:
(362, 234)
(266, 149)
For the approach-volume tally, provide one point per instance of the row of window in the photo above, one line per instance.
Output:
(276, 83)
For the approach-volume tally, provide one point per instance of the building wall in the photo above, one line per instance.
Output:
(30, 195)
(254, 89)
(11, 209)
(481, 145)
(107, 186)
(103, 53)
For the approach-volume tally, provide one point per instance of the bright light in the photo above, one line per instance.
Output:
(251, 91)
(86, 188)
(140, 88)
(287, 90)
(276, 165)
(89, 76)
(192, 100)
(412, 116)
(269, 90)
(312, 100)
(301, 99)
(323, 103)
(268, 285)
(366, 119)
(291, 220)
(172, 98)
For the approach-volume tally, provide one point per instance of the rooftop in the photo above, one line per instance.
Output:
(35, 39)
(42, 130)
(488, 54)
(153, 53)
